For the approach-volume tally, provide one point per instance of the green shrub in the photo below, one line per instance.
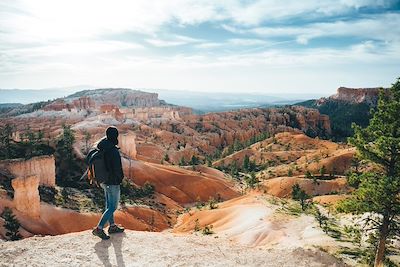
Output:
(11, 224)
(129, 191)
(48, 194)
(212, 204)
(197, 225)
(252, 181)
(207, 230)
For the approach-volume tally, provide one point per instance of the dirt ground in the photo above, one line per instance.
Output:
(152, 249)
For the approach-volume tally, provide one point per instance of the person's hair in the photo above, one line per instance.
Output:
(112, 134)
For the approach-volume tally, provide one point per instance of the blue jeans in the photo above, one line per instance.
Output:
(112, 193)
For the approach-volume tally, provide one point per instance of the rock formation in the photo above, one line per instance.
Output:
(84, 103)
(347, 106)
(358, 95)
(128, 145)
(107, 108)
(26, 195)
(57, 105)
(43, 167)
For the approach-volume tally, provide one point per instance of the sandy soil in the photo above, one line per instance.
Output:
(250, 220)
(151, 249)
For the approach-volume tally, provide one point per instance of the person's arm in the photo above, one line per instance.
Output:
(116, 165)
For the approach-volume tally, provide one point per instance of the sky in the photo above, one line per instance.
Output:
(265, 46)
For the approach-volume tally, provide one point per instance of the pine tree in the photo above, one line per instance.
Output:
(378, 193)
(209, 161)
(252, 181)
(252, 165)
(66, 165)
(234, 169)
(86, 136)
(309, 175)
(246, 162)
(166, 157)
(11, 224)
(67, 141)
(237, 145)
(322, 171)
(299, 194)
(321, 218)
(182, 161)
(194, 160)
(5, 140)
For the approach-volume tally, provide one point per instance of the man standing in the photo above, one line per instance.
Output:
(111, 186)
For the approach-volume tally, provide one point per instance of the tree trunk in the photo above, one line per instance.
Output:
(380, 251)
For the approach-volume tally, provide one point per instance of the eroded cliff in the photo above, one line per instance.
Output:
(43, 167)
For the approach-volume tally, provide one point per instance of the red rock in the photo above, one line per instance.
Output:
(43, 167)
(358, 95)
(26, 195)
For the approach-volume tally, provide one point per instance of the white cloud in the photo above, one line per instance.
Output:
(71, 19)
(66, 50)
(174, 40)
(48, 43)
(380, 27)
(246, 42)
(255, 12)
(313, 70)
(209, 45)
(164, 43)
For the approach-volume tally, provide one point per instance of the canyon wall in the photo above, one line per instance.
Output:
(43, 167)
(204, 135)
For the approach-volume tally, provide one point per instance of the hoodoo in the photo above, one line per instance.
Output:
(26, 195)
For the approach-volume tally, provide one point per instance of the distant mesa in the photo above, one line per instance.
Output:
(347, 106)
(367, 96)
(122, 97)
(109, 104)
(112, 97)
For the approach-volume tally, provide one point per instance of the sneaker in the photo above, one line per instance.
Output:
(100, 233)
(114, 229)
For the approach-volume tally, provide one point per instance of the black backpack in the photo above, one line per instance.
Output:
(97, 171)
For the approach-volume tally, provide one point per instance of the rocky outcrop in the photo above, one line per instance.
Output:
(42, 167)
(311, 119)
(84, 103)
(358, 95)
(26, 195)
(81, 103)
(57, 105)
(128, 145)
(107, 108)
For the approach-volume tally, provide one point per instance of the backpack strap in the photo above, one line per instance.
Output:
(83, 175)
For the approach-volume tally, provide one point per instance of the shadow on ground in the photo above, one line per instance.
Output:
(102, 249)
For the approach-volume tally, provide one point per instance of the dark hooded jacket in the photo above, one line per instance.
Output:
(112, 160)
